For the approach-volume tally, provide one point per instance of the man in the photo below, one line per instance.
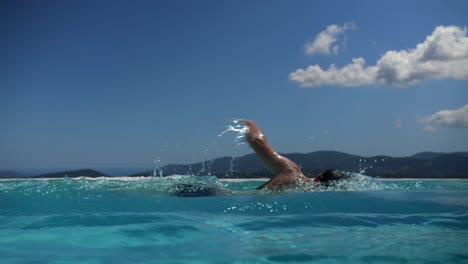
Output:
(286, 173)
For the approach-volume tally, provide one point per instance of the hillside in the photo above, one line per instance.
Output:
(421, 165)
(73, 174)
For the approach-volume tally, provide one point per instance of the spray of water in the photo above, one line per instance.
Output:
(236, 126)
(239, 128)
(241, 131)
(157, 171)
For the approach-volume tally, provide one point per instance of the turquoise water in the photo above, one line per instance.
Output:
(136, 220)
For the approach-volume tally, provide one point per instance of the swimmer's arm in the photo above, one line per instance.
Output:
(261, 187)
(254, 133)
(279, 181)
(268, 186)
(260, 145)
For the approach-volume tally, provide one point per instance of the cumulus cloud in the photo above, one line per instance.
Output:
(443, 54)
(325, 41)
(353, 74)
(447, 118)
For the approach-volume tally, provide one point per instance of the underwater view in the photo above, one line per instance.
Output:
(145, 220)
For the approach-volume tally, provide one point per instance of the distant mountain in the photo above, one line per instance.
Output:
(12, 174)
(421, 165)
(73, 174)
(248, 166)
(426, 155)
(251, 166)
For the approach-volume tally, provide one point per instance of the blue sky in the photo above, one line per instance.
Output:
(121, 83)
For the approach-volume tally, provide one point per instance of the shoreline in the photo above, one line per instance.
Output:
(124, 178)
(136, 178)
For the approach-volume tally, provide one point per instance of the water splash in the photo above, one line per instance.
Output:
(236, 126)
(357, 182)
(239, 128)
(157, 171)
(368, 165)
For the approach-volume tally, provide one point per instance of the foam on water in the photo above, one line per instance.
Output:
(165, 185)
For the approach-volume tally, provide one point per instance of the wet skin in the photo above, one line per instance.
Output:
(287, 173)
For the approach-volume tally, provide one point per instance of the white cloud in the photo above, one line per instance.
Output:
(353, 74)
(448, 118)
(444, 54)
(324, 42)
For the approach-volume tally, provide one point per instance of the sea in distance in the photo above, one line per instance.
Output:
(145, 220)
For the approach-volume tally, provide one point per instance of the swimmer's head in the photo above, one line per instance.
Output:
(329, 176)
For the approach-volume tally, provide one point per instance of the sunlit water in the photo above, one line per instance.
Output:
(138, 220)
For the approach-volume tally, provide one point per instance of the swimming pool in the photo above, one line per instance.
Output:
(136, 220)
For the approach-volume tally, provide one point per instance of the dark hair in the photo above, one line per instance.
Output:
(330, 175)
